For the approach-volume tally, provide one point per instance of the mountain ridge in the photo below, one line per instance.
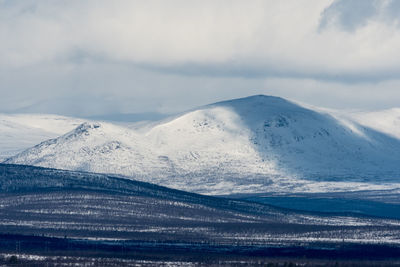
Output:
(254, 144)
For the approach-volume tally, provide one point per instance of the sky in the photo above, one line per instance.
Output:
(84, 58)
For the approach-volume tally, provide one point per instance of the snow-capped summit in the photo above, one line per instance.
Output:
(254, 144)
(86, 126)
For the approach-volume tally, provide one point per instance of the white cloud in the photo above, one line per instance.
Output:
(264, 36)
(108, 53)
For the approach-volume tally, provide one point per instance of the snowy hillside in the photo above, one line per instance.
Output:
(253, 144)
(21, 131)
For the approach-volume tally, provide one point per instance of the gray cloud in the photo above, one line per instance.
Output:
(233, 69)
(349, 15)
(104, 88)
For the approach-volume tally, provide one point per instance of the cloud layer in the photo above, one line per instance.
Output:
(105, 52)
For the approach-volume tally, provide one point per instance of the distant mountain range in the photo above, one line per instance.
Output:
(254, 144)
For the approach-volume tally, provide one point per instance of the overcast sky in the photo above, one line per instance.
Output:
(84, 58)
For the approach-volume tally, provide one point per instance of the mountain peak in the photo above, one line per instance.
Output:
(88, 125)
(257, 109)
(253, 144)
(255, 99)
(260, 104)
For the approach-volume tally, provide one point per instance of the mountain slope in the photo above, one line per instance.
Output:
(253, 144)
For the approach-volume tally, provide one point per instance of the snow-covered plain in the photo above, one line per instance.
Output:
(248, 145)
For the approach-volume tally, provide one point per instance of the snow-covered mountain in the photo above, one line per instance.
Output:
(253, 144)
(21, 131)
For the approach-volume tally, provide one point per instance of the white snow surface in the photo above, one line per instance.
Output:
(249, 145)
(22, 131)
